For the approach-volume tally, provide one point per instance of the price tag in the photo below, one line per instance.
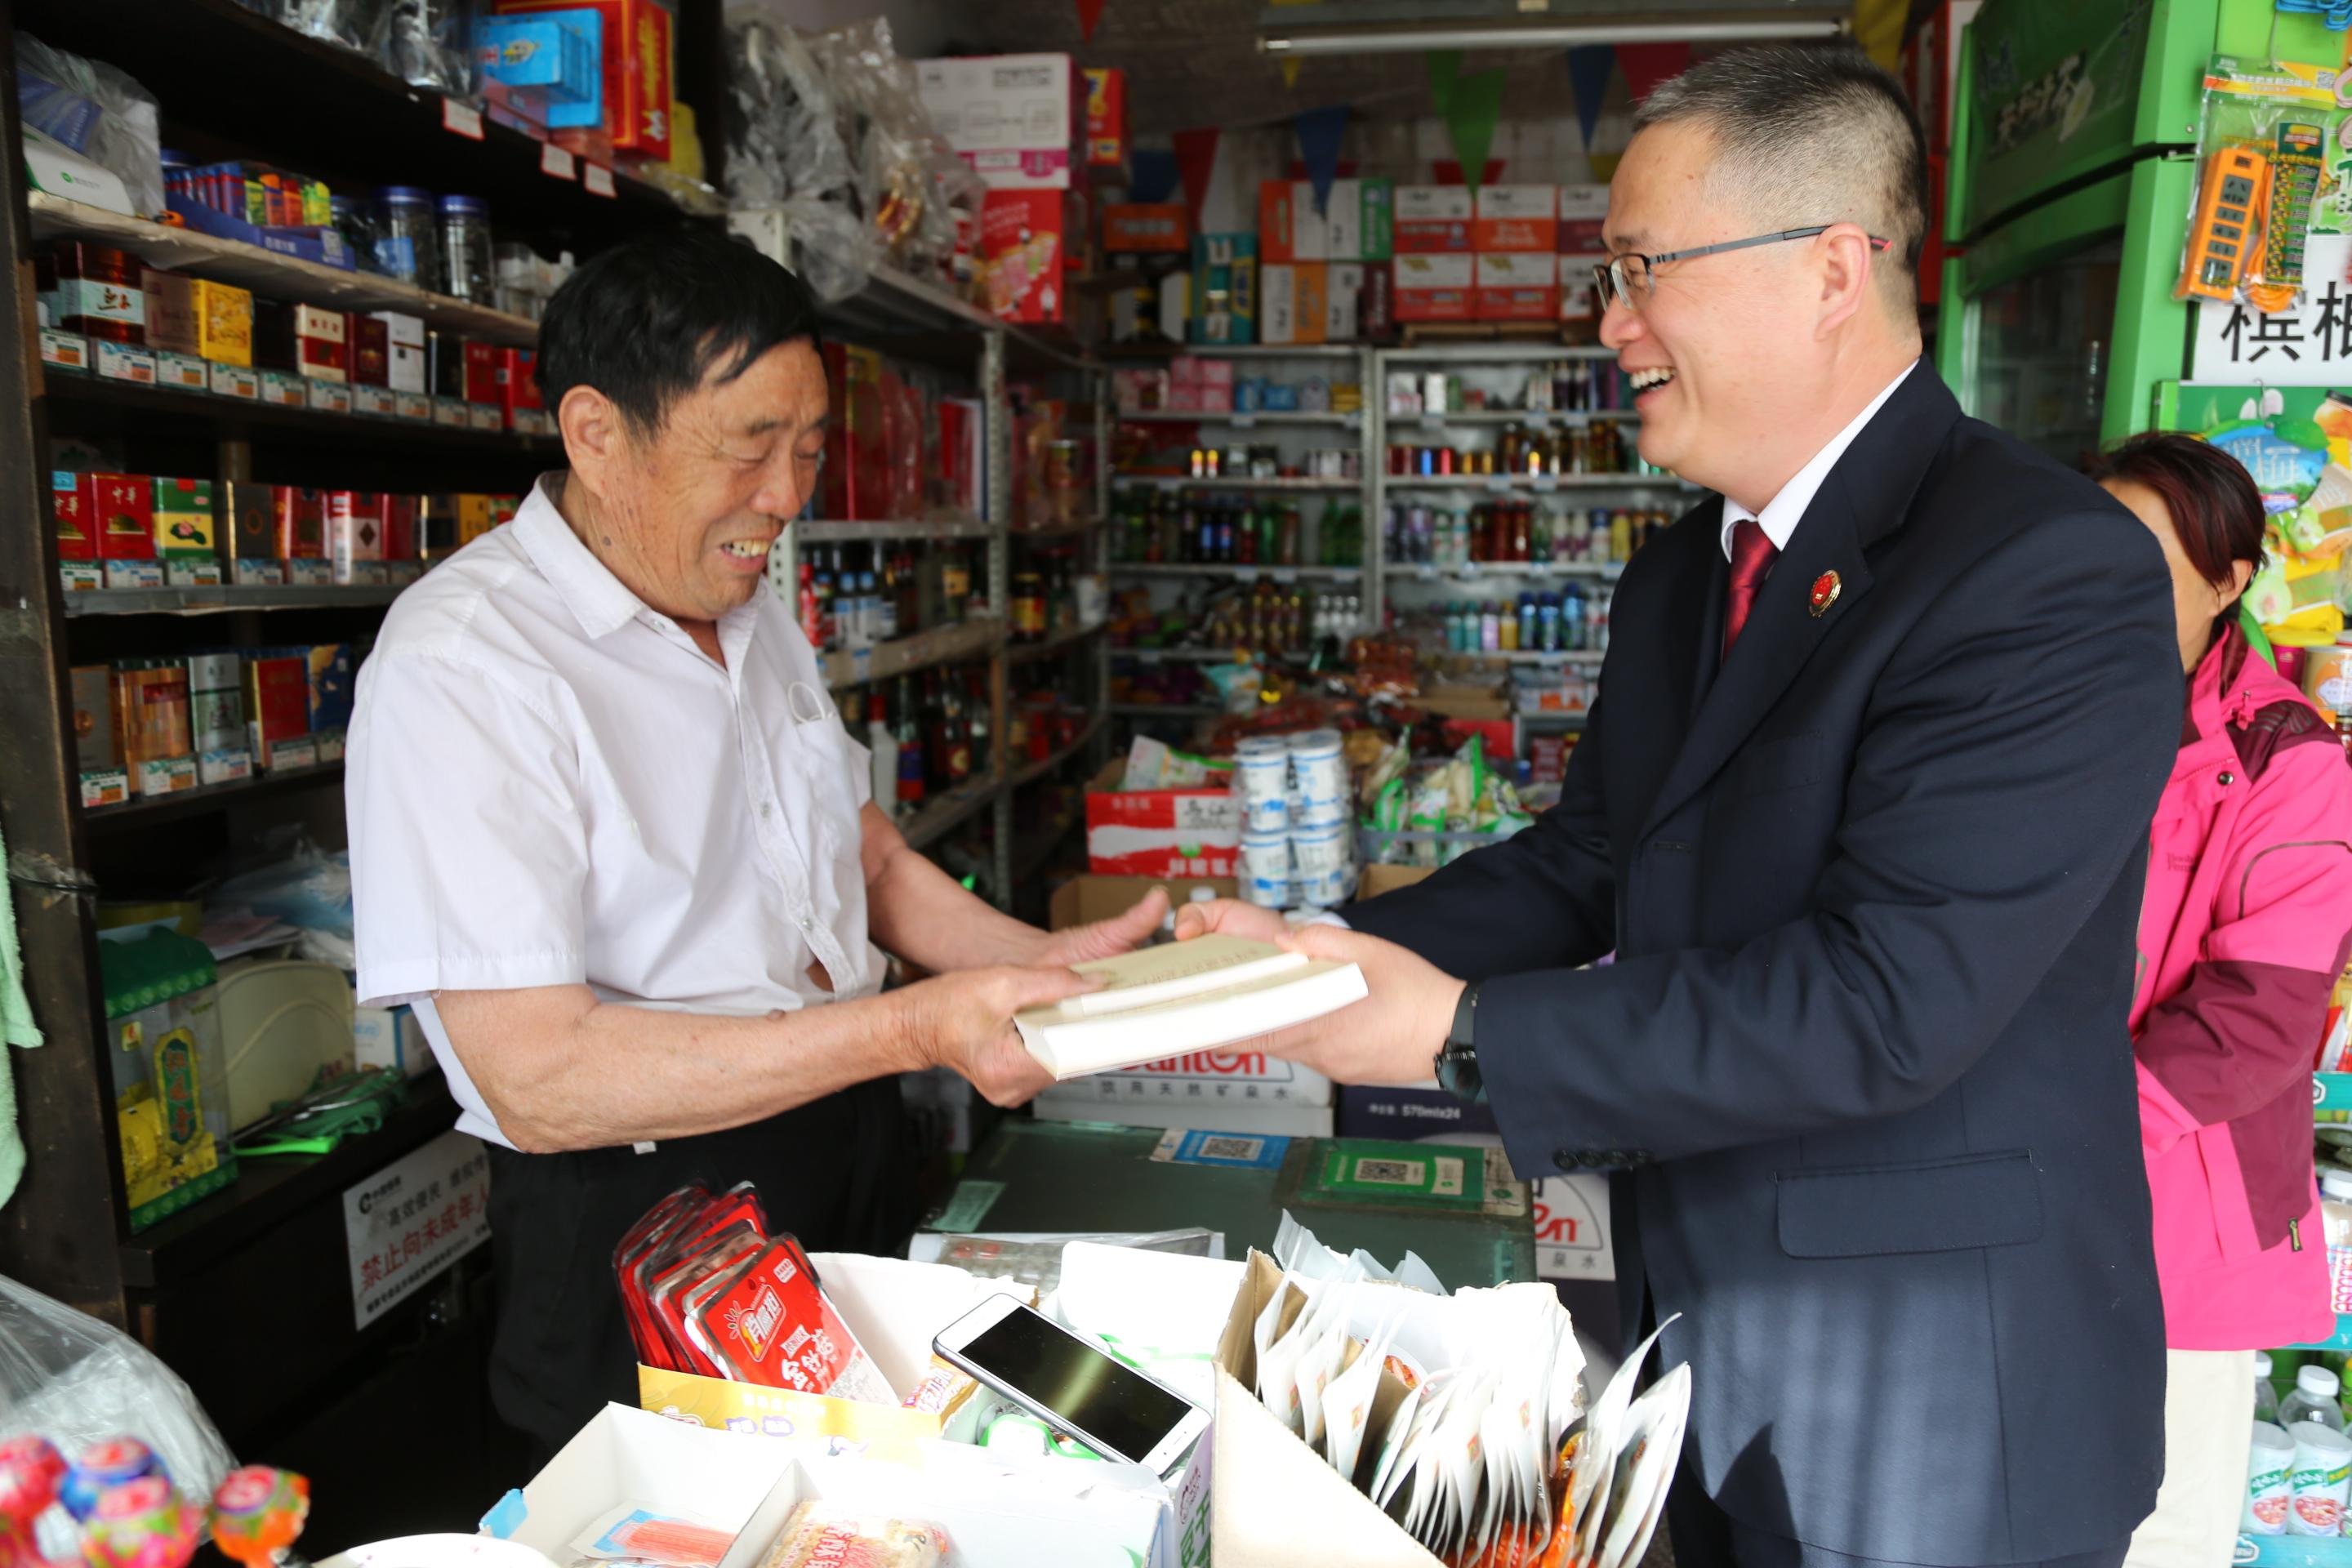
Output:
(861, 666)
(63, 351)
(235, 381)
(461, 118)
(557, 162)
(373, 400)
(1546, 482)
(326, 397)
(193, 574)
(1244, 421)
(412, 406)
(1353, 419)
(80, 576)
(450, 412)
(1429, 574)
(1282, 577)
(598, 179)
(284, 390)
(134, 573)
(1499, 482)
(486, 416)
(116, 362)
(185, 372)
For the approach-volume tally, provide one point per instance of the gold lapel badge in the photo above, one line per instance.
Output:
(1825, 593)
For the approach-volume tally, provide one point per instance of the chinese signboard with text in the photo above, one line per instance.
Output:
(413, 1219)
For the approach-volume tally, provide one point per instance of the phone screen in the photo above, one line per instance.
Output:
(1077, 1383)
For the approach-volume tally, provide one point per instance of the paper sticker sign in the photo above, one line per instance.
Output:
(2309, 345)
(413, 1219)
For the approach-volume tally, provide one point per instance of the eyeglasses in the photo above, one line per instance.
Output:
(1628, 277)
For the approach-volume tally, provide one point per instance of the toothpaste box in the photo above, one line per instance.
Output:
(1432, 220)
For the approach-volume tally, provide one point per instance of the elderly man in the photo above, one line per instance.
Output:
(609, 834)
(1862, 811)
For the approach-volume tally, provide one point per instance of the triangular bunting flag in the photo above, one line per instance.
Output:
(1589, 68)
(1444, 66)
(1647, 65)
(1319, 130)
(1476, 103)
(1089, 13)
(1291, 71)
(1196, 159)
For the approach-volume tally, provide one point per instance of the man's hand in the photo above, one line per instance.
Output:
(965, 1021)
(1105, 939)
(1393, 1035)
(1231, 916)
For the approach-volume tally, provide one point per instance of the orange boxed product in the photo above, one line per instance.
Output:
(1146, 226)
(636, 68)
(1105, 117)
(1433, 220)
(1021, 253)
(1436, 287)
(1514, 288)
(1523, 218)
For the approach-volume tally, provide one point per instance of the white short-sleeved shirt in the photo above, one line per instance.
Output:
(548, 783)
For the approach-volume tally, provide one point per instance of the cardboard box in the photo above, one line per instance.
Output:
(1010, 116)
(96, 745)
(398, 514)
(389, 1037)
(182, 513)
(1106, 138)
(1359, 218)
(474, 519)
(249, 521)
(1146, 228)
(73, 503)
(405, 357)
(1343, 291)
(1023, 254)
(519, 386)
(1084, 900)
(329, 681)
(636, 68)
(482, 374)
(1288, 226)
(1159, 832)
(124, 507)
(1294, 303)
(1433, 220)
(321, 344)
(1274, 1502)
(301, 522)
(195, 316)
(1431, 286)
(1515, 287)
(355, 530)
(1524, 218)
(216, 700)
(277, 710)
(371, 351)
(1379, 880)
(1224, 289)
(1583, 210)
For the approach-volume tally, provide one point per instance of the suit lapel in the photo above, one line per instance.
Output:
(1865, 496)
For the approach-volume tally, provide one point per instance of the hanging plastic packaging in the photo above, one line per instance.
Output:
(785, 154)
(430, 43)
(2260, 146)
(67, 1377)
(95, 110)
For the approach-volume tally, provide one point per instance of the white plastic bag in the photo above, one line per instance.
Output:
(66, 1376)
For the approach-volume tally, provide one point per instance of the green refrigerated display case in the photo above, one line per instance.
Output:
(2073, 168)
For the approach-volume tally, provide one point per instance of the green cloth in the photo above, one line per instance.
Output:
(17, 1028)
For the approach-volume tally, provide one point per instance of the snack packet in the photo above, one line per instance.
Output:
(826, 1535)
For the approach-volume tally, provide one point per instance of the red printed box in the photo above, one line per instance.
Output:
(518, 382)
(1583, 210)
(398, 516)
(355, 530)
(1021, 253)
(1521, 218)
(1106, 141)
(1513, 288)
(301, 521)
(1161, 832)
(481, 373)
(322, 345)
(1433, 220)
(74, 503)
(1436, 287)
(124, 507)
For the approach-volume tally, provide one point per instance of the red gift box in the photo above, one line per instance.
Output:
(518, 381)
(636, 68)
(481, 373)
(1021, 253)
(302, 519)
(75, 503)
(397, 515)
(855, 466)
(370, 342)
(123, 505)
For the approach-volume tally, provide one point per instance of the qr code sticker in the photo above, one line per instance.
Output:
(1390, 1172)
(1231, 1148)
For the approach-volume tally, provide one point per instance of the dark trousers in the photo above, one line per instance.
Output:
(829, 1173)
(1707, 1537)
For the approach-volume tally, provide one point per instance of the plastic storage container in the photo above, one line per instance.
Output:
(171, 1089)
(468, 271)
(407, 240)
(2317, 1393)
(2266, 1405)
(2336, 1215)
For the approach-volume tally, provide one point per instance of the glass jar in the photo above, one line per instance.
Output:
(407, 241)
(466, 270)
(99, 293)
(357, 227)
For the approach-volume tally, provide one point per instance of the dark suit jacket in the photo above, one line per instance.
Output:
(1873, 889)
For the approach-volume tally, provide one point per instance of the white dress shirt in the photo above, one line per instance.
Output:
(549, 783)
(1781, 514)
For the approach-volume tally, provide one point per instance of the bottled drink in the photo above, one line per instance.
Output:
(821, 586)
(882, 741)
(2314, 1398)
(2266, 1403)
(914, 774)
(883, 594)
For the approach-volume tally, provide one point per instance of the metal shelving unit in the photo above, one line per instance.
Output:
(904, 655)
(1178, 482)
(222, 600)
(814, 533)
(1031, 652)
(1239, 572)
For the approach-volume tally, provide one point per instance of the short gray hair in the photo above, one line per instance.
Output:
(1808, 133)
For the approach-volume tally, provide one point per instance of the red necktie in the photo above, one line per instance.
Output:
(1752, 554)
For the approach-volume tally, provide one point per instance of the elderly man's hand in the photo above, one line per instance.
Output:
(1105, 939)
(965, 1021)
(1230, 917)
(1393, 1035)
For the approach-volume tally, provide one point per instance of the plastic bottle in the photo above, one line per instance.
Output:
(2335, 1216)
(2266, 1404)
(2316, 1391)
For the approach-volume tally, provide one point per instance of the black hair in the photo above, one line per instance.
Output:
(646, 322)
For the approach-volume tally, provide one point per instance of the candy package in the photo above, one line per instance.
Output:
(2261, 149)
(635, 1535)
(822, 1534)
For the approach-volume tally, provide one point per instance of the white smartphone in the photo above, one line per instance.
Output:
(1073, 1384)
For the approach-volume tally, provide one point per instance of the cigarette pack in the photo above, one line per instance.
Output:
(481, 384)
(371, 351)
(216, 700)
(151, 711)
(97, 740)
(277, 703)
(328, 681)
(183, 514)
(197, 316)
(301, 523)
(73, 502)
(125, 508)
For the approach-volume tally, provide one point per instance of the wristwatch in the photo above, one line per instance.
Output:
(1457, 1060)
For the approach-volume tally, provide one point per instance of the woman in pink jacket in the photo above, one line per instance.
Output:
(2242, 935)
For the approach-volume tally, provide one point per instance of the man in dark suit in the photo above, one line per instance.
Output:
(1862, 812)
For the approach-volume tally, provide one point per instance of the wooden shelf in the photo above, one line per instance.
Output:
(267, 273)
(936, 820)
(142, 810)
(885, 661)
(1032, 772)
(1030, 652)
(221, 601)
(164, 402)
